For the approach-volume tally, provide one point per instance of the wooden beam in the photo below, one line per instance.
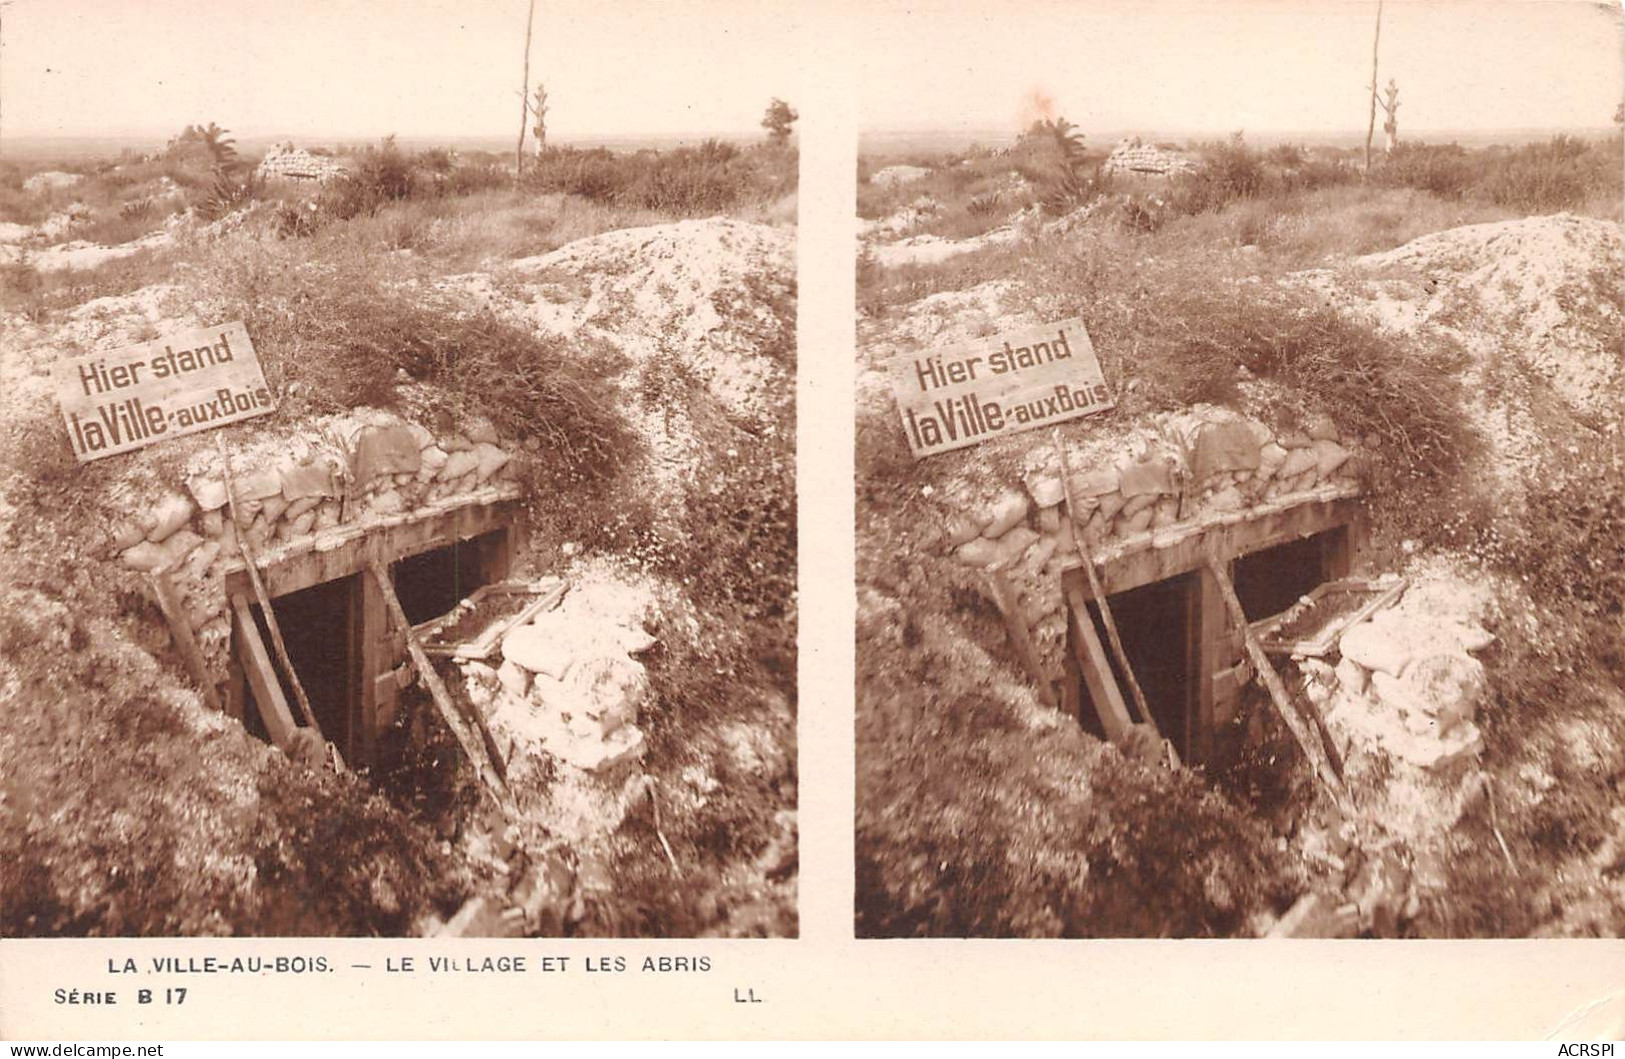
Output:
(1308, 738)
(341, 552)
(1214, 654)
(1337, 554)
(496, 555)
(256, 664)
(1121, 572)
(487, 764)
(353, 636)
(375, 659)
(1106, 619)
(1015, 626)
(1097, 671)
(240, 531)
(236, 687)
(1071, 679)
(180, 628)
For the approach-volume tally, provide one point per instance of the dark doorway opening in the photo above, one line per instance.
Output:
(1269, 581)
(431, 583)
(1158, 626)
(321, 629)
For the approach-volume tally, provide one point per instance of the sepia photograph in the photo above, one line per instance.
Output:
(1240, 480)
(398, 503)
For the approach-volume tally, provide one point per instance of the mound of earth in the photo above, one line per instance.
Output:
(704, 313)
(711, 294)
(1537, 303)
(1550, 286)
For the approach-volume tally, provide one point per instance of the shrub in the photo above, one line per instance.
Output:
(1229, 171)
(227, 194)
(381, 174)
(1407, 401)
(1568, 546)
(1442, 169)
(1192, 332)
(983, 206)
(1051, 157)
(348, 331)
(688, 181)
(474, 177)
(1541, 178)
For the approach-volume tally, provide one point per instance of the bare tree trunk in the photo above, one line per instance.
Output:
(524, 100)
(1371, 121)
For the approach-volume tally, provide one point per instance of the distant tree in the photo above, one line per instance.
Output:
(524, 100)
(538, 114)
(1390, 126)
(1619, 114)
(221, 147)
(1371, 120)
(777, 121)
(1063, 136)
(214, 141)
(1050, 154)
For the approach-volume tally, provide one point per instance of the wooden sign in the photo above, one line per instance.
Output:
(1016, 381)
(180, 384)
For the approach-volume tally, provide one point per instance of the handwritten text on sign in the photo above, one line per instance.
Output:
(181, 384)
(1004, 384)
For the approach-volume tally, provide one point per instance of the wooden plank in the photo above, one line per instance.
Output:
(180, 629)
(1021, 638)
(496, 555)
(1190, 630)
(1213, 654)
(256, 663)
(1337, 554)
(1106, 619)
(1123, 572)
(333, 556)
(926, 382)
(353, 692)
(1097, 671)
(480, 749)
(240, 532)
(1071, 682)
(1382, 594)
(236, 688)
(545, 595)
(375, 659)
(1309, 740)
(182, 369)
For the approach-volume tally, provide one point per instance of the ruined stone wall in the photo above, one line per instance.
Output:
(345, 476)
(1131, 156)
(1191, 473)
(292, 163)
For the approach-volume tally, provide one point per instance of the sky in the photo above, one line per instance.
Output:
(1258, 65)
(352, 69)
(366, 68)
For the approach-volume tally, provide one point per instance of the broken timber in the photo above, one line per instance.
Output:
(1097, 671)
(256, 666)
(1309, 739)
(481, 752)
(1106, 618)
(240, 532)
